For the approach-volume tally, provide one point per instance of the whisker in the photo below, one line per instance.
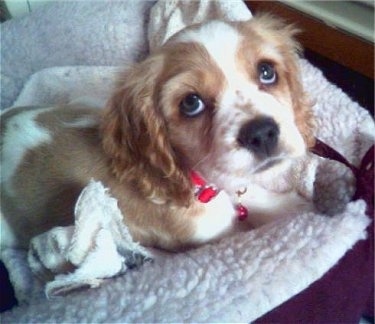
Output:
(200, 162)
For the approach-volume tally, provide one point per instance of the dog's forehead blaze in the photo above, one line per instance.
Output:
(214, 44)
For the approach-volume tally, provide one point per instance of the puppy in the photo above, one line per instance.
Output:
(219, 103)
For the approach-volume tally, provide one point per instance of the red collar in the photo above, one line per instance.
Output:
(206, 192)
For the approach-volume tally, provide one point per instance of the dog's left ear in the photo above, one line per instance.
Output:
(302, 104)
(136, 138)
(283, 35)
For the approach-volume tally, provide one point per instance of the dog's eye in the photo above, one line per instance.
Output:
(267, 73)
(192, 105)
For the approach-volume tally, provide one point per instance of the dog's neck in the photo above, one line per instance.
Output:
(205, 192)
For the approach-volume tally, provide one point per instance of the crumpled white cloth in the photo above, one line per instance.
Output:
(169, 17)
(97, 246)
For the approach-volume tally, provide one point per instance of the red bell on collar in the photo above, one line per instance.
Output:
(242, 212)
(205, 192)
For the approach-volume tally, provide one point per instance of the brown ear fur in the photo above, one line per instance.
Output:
(302, 106)
(136, 139)
(284, 35)
(301, 102)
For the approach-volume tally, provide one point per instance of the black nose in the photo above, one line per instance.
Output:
(260, 136)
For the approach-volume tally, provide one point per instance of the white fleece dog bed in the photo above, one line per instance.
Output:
(240, 278)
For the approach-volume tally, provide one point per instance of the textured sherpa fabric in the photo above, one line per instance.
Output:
(53, 86)
(232, 281)
(66, 33)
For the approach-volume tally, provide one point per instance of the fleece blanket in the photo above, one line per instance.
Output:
(234, 280)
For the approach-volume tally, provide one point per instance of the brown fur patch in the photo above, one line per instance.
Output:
(190, 70)
(52, 175)
(136, 139)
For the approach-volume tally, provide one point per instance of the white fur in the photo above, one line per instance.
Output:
(218, 219)
(21, 133)
(267, 206)
(221, 41)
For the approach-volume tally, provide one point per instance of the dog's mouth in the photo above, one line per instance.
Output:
(267, 164)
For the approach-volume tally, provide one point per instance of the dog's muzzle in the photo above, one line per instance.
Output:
(260, 136)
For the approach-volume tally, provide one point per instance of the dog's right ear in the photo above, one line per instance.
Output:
(136, 139)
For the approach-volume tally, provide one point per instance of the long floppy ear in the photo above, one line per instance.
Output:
(283, 35)
(302, 104)
(289, 47)
(136, 139)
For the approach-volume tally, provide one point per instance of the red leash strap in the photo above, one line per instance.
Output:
(364, 174)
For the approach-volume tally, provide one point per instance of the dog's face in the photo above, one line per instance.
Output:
(221, 98)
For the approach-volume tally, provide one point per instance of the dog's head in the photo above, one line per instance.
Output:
(222, 98)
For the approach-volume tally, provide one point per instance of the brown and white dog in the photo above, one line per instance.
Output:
(223, 99)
